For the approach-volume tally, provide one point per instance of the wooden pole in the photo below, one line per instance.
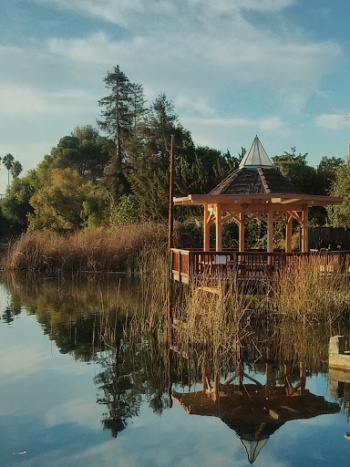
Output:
(218, 228)
(171, 191)
(206, 229)
(170, 240)
(270, 229)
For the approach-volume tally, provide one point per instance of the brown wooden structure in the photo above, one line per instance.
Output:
(256, 190)
(190, 265)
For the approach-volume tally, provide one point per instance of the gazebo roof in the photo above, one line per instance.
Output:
(256, 181)
(255, 174)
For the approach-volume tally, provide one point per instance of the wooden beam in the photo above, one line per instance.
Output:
(270, 219)
(171, 188)
(218, 228)
(206, 229)
(304, 230)
(241, 227)
(289, 233)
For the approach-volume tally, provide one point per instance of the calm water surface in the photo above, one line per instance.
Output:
(68, 400)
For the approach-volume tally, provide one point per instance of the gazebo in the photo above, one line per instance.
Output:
(256, 190)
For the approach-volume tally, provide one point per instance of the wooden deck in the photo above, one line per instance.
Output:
(189, 265)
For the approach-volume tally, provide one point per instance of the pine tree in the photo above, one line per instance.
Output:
(121, 113)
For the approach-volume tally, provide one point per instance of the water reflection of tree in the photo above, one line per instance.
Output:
(69, 309)
(89, 319)
(133, 372)
(13, 308)
(120, 394)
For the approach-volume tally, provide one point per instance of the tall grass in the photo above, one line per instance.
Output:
(101, 249)
(309, 293)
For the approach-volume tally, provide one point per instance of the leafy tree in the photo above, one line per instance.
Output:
(15, 205)
(202, 171)
(294, 167)
(84, 151)
(340, 215)
(327, 172)
(59, 204)
(126, 212)
(95, 209)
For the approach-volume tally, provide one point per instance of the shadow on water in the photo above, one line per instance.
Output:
(254, 386)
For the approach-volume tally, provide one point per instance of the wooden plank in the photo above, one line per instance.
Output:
(341, 361)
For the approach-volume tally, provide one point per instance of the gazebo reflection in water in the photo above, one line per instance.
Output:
(255, 410)
(256, 190)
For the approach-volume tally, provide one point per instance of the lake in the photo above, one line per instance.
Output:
(70, 398)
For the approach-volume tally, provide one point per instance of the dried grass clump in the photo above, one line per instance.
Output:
(219, 321)
(101, 249)
(310, 291)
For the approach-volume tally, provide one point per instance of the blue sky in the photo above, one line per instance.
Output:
(233, 68)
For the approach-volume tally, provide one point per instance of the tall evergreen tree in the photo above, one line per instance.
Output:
(149, 164)
(122, 112)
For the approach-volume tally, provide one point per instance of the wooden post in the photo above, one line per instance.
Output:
(304, 230)
(171, 194)
(218, 228)
(206, 229)
(270, 229)
(241, 227)
(289, 232)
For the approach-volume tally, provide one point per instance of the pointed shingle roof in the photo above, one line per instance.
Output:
(255, 174)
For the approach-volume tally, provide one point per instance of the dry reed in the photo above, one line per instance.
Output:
(89, 250)
(311, 291)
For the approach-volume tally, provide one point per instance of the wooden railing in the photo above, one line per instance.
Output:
(188, 265)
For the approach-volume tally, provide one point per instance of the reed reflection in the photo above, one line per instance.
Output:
(112, 322)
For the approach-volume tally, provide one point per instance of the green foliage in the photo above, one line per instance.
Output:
(94, 209)
(327, 173)
(340, 215)
(189, 234)
(126, 212)
(88, 180)
(15, 205)
(148, 172)
(59, 204)
(84, 151)
(122, 114)
(12, 166)
(294, 167)
(16, 169)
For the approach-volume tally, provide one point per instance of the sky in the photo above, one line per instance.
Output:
(234, 69)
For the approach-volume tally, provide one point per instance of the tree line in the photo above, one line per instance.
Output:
(117, 172)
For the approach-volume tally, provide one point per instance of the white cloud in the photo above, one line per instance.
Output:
(26, 102)
(206, 56)
(203, 64)
(235, 5)
(332, 121)
(272, 124)
(80, 411)
(232, 133)
(126, 12)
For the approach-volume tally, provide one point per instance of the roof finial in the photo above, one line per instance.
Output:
(256, 156)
